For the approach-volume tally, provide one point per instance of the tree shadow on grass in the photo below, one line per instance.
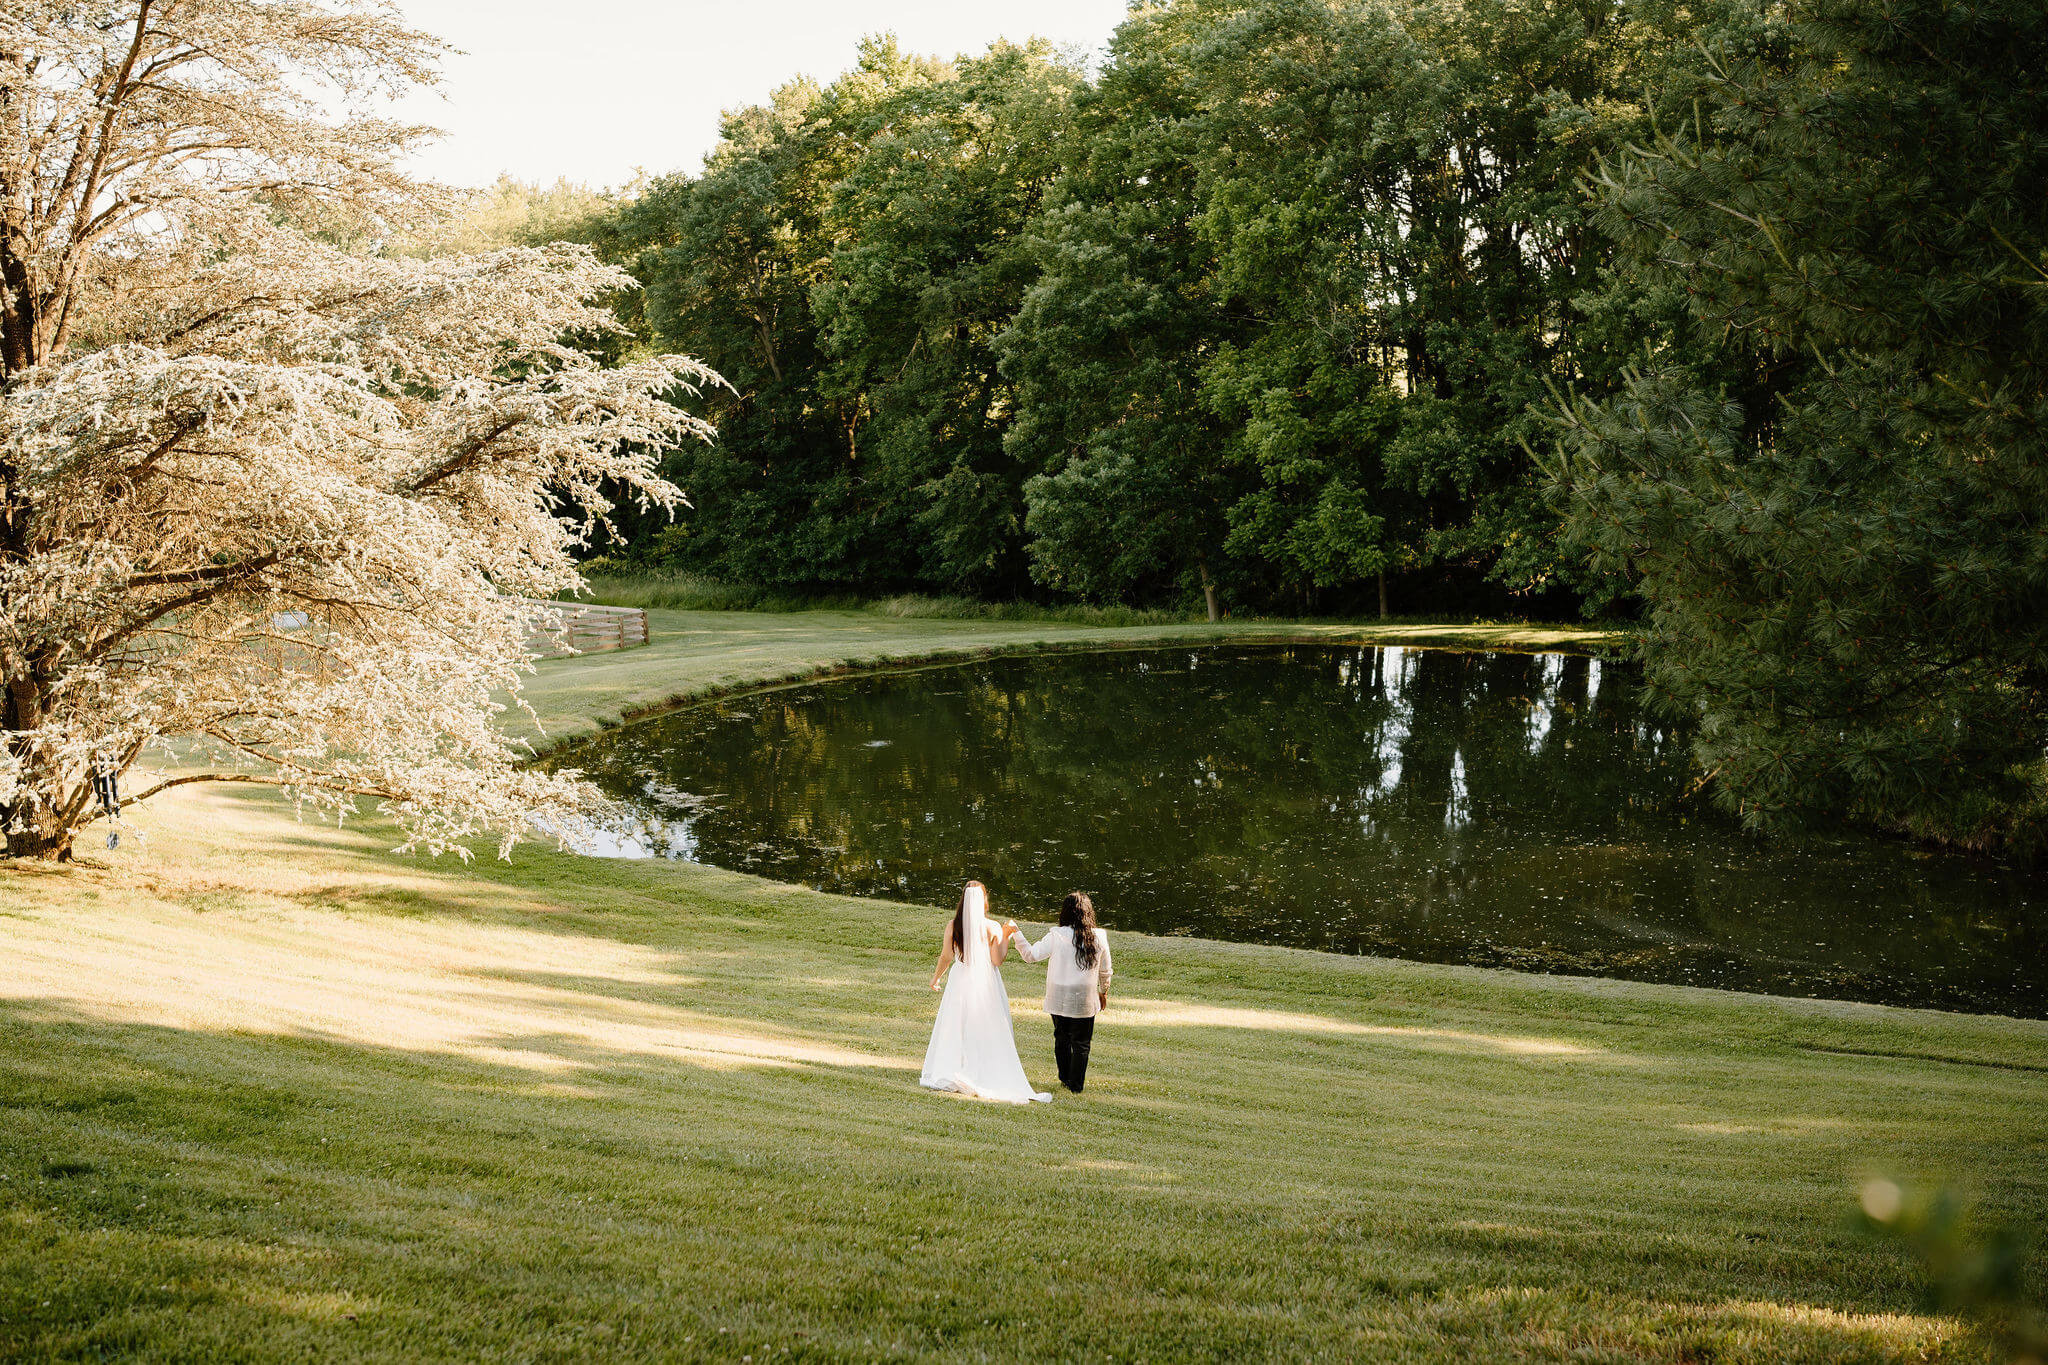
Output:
(508, 995)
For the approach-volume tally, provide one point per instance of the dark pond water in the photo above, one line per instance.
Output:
(1499, 809)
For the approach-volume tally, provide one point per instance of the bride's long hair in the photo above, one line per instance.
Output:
(959, 928)
(1077, 912)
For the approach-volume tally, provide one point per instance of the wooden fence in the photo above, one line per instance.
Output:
(580, 628)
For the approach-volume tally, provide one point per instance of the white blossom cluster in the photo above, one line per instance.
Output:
(266, 487)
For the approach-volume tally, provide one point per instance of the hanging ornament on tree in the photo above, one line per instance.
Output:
(106, 784)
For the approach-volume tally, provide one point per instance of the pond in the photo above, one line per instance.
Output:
(1501, 809)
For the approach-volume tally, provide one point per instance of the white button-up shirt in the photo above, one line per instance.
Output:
(1070, 989)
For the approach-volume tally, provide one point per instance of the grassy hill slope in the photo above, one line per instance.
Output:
(268, 1091)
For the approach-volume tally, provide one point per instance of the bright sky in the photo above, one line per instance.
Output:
(592, 89)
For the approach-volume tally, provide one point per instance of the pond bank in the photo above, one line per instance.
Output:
(701, 654)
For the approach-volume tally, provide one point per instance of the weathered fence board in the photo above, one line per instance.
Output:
(583, 628)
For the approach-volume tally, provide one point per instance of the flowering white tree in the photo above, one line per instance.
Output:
(259, 484)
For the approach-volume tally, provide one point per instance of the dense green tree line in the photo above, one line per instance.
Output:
(851, 256)
(1725, 313)
(1260, 310)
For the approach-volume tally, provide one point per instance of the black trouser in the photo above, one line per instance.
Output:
(1071, 1039)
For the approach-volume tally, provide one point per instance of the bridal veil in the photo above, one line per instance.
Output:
(973, 1049)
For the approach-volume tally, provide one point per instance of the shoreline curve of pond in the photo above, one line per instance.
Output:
(1489, 808)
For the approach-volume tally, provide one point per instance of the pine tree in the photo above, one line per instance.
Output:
(1830, 484)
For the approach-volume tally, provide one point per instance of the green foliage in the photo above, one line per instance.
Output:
(1312, 267)
(1975, 1267)
(933, 264)
(1260, 311)
(727, 260)
(846, 261)
(1107, 347)
(619, 586)
(514, 213)
(1829, 480)
(686, 591)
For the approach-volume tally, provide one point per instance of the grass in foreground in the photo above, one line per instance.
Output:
(271, 1092)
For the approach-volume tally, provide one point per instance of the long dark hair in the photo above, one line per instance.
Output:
(1077, 912)
(959, 929)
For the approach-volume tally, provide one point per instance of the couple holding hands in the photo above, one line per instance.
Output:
(973, 1050)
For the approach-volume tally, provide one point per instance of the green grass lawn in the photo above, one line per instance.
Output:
(271, 1092)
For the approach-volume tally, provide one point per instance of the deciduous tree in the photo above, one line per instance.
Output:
(262, 487)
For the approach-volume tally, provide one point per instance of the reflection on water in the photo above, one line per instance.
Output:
(1502, 809)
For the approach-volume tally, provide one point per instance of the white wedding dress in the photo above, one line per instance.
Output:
(973, 1049)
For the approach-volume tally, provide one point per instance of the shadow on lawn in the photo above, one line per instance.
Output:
(494, 993)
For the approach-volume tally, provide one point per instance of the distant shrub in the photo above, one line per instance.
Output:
(695, 592)
(914, 607)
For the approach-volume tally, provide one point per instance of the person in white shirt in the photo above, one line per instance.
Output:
(1076, 983)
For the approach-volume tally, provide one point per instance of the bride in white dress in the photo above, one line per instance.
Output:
(973, 1050)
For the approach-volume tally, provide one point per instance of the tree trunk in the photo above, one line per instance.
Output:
(46, 833)
(1209, 591)
(44, 839)
(1383, 594)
